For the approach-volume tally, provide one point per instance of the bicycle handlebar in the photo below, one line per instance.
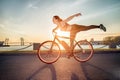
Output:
(55, 34)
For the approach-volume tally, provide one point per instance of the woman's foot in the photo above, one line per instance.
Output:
(102, 27)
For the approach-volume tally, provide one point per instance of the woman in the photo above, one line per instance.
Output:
(73, 28)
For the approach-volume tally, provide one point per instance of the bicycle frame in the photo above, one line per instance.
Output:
(56, 37)
(77, 50)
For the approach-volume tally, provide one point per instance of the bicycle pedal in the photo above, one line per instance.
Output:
(71, 55)
(68, 57)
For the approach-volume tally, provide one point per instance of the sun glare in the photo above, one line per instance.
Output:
(62, 33)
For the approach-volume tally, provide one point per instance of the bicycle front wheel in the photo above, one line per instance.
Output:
(83, 51)
(49, 52)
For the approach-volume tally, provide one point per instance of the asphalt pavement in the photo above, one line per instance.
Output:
(28, 67)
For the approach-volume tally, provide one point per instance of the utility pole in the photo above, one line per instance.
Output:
(22, 41)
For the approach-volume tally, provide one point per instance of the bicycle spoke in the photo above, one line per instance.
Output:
(49, 52)
(82, 51)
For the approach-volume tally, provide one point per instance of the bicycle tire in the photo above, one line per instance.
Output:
(47, 54)
(83, 51)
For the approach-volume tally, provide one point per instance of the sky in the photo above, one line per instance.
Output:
(32, 19)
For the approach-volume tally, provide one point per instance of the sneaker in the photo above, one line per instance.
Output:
(102, 27)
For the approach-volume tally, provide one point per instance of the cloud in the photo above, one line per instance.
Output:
(33, 4)
(2, 25)
(30, 5)
(110, 9)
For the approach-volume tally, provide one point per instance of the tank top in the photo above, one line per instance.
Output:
(64, 26)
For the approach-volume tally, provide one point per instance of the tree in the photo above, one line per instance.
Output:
(108, 40)
(112, 41)
(117, 40)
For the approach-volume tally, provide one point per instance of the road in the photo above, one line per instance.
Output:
(29, 67)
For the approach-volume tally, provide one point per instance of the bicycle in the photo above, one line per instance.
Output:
(49, 51)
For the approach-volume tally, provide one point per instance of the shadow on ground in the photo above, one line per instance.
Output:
(94, 72)
(38, 71)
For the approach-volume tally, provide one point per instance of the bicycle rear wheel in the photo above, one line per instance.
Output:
(49, 52)
(83, 51)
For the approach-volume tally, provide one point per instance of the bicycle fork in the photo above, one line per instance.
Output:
(51, 47)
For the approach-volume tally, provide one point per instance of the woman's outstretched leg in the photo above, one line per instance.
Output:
(78, 28)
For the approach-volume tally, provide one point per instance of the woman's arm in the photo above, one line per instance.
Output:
(71, 17)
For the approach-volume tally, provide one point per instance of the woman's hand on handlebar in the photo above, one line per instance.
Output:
(54, 31)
